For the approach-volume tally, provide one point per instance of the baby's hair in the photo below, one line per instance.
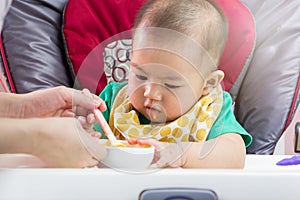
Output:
(201, 20)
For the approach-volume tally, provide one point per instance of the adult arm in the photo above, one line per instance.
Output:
(59, 142)
(54, 102)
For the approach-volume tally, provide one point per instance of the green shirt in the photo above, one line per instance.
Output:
(225, 123)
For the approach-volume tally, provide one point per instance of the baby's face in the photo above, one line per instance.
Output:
(163, 86)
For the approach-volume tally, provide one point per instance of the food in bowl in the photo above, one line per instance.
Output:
(129, 157)
(125, 144)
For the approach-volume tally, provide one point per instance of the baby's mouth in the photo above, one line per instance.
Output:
(152, 113)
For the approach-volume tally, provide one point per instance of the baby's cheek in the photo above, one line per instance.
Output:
(173, 110)
(136, 97)
(189, 99)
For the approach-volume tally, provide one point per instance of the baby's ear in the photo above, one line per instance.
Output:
(212, 81)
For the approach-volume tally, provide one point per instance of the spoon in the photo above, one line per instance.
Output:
(105, 127)
(102, 121)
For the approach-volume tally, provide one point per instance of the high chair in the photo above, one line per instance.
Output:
(45, 44)
(262, 66)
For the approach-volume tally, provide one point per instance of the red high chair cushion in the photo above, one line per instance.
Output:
(87, 37)
(240, 44)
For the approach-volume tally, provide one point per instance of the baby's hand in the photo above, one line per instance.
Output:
(166, 154)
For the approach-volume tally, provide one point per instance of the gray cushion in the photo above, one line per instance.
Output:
(33, 44)
(267, 93)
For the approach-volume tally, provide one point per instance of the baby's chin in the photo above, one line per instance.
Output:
(160, 119)
(156, 119)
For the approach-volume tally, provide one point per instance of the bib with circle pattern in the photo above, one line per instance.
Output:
(192, 126)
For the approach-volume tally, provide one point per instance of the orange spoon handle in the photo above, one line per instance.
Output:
(104, 125)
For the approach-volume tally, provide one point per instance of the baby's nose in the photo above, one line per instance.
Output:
(153, 91)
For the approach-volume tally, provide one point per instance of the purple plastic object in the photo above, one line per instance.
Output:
(295, 160)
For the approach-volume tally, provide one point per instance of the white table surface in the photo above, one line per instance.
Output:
(260, 179)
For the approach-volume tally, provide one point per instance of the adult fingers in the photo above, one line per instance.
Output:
(91, 118)
(98, 102)
(88, 125)
(66, 113)
(87, 122)
(92, 145)
(92, 162)
(82, 98)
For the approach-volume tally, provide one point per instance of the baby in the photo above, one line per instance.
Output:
(173, 99)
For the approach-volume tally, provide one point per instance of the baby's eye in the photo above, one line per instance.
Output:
(172, 86)
(141, 77)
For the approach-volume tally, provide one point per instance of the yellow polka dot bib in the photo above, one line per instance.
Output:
(192, 126)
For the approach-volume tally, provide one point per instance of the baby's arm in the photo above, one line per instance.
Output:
(225, 151)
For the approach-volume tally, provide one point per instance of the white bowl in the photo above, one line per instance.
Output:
(130, 158)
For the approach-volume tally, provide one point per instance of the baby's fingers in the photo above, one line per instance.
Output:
(149, 142)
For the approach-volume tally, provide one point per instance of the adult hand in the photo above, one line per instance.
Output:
(62, 142)
(59, 102)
